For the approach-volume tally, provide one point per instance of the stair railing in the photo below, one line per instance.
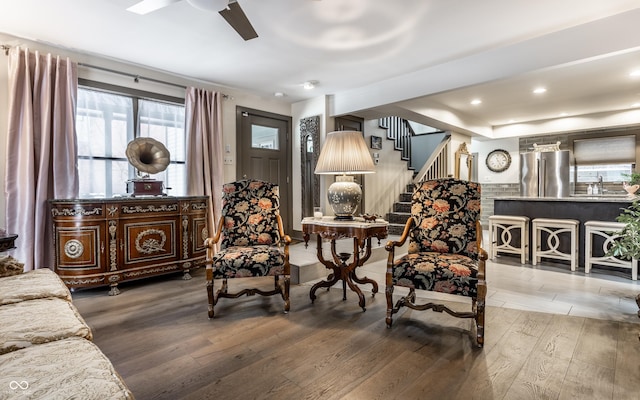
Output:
(400, 132)
(437, 165)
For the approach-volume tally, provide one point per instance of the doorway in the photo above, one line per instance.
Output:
(264, 152)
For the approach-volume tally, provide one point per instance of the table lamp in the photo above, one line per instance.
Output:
(344, 152)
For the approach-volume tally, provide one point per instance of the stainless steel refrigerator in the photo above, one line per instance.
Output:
(545, 174)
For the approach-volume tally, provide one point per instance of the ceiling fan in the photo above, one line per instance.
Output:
(232, 13)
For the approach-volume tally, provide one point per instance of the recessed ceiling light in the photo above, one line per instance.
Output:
(539, 90)
(475, 102)
(278, 94)
(308, 85)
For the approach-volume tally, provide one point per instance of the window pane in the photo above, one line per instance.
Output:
(174, 179)
(104, 123)
(92, 188)
(264, 137)
(119, 174)
(105, 127)
(609, 173)
(119, 138)
(165, 123)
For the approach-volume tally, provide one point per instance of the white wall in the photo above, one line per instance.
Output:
(484, 147)
(236, 97)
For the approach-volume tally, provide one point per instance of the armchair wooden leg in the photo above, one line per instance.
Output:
(285, 293)
(283, 285)
(411, 297)
(210, 297)
(389, 294)
(479, 310)
(480, 323)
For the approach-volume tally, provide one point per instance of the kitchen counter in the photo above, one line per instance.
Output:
(576, 198)
(581, 208)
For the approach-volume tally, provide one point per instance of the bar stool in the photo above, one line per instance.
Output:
(609, 231)
(554, 227)
(504, 226)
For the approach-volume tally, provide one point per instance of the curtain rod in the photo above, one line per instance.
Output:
(135, 77)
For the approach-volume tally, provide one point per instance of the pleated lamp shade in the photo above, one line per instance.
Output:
(344, 152)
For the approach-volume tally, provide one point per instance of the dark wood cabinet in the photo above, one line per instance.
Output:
(107, 241)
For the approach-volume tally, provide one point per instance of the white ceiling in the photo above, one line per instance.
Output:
(424, 58)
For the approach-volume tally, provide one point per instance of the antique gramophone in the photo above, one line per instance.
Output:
(148, 156)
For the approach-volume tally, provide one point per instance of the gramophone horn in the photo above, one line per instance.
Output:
(148, 155)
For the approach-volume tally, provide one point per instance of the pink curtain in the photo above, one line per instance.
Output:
(41, 149)
(205, 176)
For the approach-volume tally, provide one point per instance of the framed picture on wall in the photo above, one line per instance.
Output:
(376, 142)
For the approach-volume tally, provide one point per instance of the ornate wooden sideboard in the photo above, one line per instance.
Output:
(107, 241)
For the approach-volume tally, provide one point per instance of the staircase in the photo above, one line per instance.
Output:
(435, 166)
(401, 212)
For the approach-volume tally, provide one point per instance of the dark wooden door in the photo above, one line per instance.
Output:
(264, 152)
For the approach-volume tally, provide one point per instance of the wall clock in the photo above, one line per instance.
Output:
(498, 160)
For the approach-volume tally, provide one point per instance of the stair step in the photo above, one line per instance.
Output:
(396, 229)
(398, 217)
(405, 197)
(402, 206)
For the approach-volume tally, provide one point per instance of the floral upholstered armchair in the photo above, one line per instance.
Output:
(444, 251)
(252, 241)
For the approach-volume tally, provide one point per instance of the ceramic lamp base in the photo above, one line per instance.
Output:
(344, 196)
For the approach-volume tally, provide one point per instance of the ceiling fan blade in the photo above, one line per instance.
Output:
(147, 6)
(235, 17)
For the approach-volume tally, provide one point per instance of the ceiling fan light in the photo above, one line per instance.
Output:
(146, 6)
(209, 5)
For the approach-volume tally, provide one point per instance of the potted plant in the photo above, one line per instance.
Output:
(634, 183)
(627, 246)
(634, 178)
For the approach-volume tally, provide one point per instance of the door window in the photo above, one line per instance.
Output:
(264, 137)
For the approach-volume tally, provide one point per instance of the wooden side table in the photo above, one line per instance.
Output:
(362, 232)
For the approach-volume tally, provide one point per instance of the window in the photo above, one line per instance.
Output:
(264, 137)
(107, 122)
(611, 158)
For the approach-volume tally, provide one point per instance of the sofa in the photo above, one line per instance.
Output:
(46, 348)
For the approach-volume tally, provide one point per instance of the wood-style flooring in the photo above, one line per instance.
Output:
(158, 336)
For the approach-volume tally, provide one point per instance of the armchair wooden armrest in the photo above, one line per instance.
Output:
(210, 242)
(403, 238)
(482, 254)
(391, 244)
(287, 241)
(283, 237)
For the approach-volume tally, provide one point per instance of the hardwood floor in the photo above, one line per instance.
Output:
(158, 336)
